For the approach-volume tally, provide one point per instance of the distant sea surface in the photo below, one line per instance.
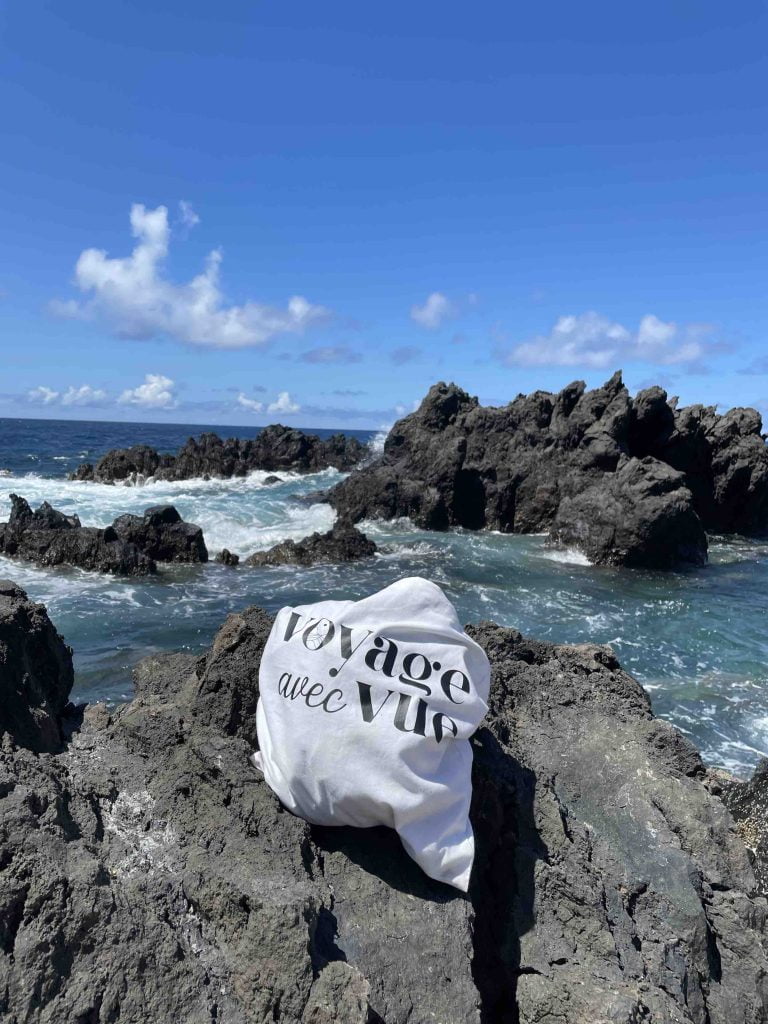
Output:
(697, 640)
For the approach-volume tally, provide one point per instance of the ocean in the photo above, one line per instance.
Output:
(696, 640)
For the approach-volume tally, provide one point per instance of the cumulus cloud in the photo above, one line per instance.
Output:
(437, 309)
(593, 340)
(331, 354)
(249, 403)
(157, 392)
(134, 296)
(84, 395)
(42, 395)
(284, 404)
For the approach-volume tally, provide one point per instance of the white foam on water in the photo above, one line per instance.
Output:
(568, 556)
(376, 443)
(243, 513)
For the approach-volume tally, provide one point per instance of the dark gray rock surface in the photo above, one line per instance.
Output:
(147, 873)
(454, 462)
(48, 537)
(342, 543)
(641, 516)
(35, 673)
(275, 448)
(163, 535)
(227, 557)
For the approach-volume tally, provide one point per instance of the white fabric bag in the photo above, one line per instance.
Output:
(364, 718)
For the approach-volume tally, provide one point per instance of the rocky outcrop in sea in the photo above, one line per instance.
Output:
(275, 448)
(147, 873)
(131, 546)
(343, 543)
(629, 481)
(162, 534)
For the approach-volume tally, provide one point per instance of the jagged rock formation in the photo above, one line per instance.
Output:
(128, 547)
(454, 462)
(162, 534)
(342, 543)
(148, 873)
(35, 673)
(641, 515)
(49, 537)
(275, 448)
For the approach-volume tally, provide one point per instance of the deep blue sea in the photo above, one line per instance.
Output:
(697, 640)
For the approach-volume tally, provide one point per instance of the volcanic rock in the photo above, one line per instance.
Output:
(642, 516)
(748, 803)
(227, 557)
(49, 537)
(454, 462)
(275, 448)
(148, 872)
(343, 543)
(163, 535)
(35, 672)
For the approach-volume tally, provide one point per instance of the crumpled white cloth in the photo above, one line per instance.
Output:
(364, 718)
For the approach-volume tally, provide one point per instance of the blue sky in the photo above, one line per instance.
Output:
(249, 212)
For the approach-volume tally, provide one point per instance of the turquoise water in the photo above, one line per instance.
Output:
(696, 640)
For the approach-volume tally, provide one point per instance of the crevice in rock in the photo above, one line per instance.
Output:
(502, 891)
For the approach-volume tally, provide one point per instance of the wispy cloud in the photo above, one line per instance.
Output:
(187, 215)
(284, 404)
(157, 392)
(249, 403)
(594, 341)
(436, 310)
(137, 300)
(405, 354)
(757, 367)
(331, 354)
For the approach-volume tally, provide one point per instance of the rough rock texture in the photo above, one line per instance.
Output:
(148, 873)
(629, 896)
(49, 537)
(275, 448)
(35, 672)
(454, 462)
(641, 515)
(343, 543)
(748, 803)
(227, 557)
(162, 534)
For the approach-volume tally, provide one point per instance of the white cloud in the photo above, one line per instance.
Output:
(593, 340)
(284, 404)
(187, 215)
(435, 310)
(249, 403)
(84, 395)
(42, 395)
(133, 295)
(157, 392)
